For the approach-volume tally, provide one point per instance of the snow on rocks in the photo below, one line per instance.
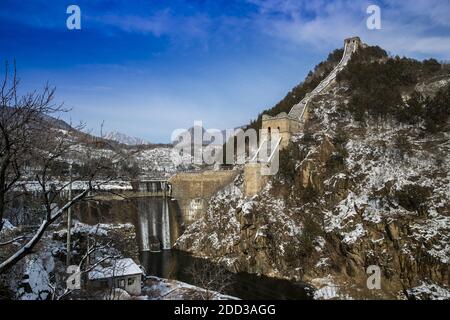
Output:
(352, 236)
(7, 226)
(167, 289)
(344, 218)
(319, 243)
(430, 228)
(435, 229)
(343, 214)
(100, 229)
(224, 232)
(247, 207)
(327, 289)
(36, 283)
(427, 291)
(323, 262)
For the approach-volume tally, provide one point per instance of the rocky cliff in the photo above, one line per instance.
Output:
(350, 193)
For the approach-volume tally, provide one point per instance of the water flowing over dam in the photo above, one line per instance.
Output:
(148, 206)
(159, 221)
(156, 216)
(154, 223)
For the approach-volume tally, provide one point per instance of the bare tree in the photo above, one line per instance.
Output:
(87, 262)
(34, 152)
(212, 278)
(19, 121)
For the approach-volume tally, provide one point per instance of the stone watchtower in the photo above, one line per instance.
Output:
(293, 122)
(285, 124)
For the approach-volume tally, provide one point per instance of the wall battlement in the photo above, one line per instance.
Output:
(294, 121)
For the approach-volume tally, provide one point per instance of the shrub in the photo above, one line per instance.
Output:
(336, 162)
(287, 163)
(402, 145)
(377, 86)
(301, 255)
(340, 137)
(431, 66)
(412, 110)
(437, 111)
(411, 197)
(308, 194)
(308, 138)
(311, 230)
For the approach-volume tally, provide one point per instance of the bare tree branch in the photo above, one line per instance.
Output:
(35, 151)
(12, 241)
(28, 247)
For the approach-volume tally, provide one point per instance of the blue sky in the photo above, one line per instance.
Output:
(149, 67)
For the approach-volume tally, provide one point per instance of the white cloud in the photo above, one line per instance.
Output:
(410, 28)
(163, 22)
(435, 11)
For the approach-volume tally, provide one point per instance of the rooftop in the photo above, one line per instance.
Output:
(115, 268)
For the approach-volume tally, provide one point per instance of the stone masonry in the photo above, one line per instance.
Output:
(289, 124)
(192, 190)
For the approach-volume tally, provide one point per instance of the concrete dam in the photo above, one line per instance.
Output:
(154, 225)
(160, 210)
(172, 205)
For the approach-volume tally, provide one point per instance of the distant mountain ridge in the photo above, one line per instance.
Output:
(125, 139)
(57, 123)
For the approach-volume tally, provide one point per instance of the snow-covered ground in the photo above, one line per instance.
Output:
(162, 161)
(361, 205)
(32, 186)
(42, 275)
(7, 226)
(156, 288)
(427, 291)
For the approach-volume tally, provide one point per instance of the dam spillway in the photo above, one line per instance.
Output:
(154, 222)
(147, 204)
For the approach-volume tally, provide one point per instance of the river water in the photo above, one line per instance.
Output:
(158, 225)
(175, 264)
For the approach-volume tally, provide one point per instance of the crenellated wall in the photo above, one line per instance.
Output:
(284, 125)
(289, 124)
(293, 122)
(193, 189)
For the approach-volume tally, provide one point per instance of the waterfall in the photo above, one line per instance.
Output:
(165, 225)
(154, 215)
(142, 186)
(154, 223)
(143, 222)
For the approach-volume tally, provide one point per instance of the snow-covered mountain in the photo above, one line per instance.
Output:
(353, 191)
(125, 139)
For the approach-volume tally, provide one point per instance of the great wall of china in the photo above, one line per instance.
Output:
(192, 190)
(292, 123)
